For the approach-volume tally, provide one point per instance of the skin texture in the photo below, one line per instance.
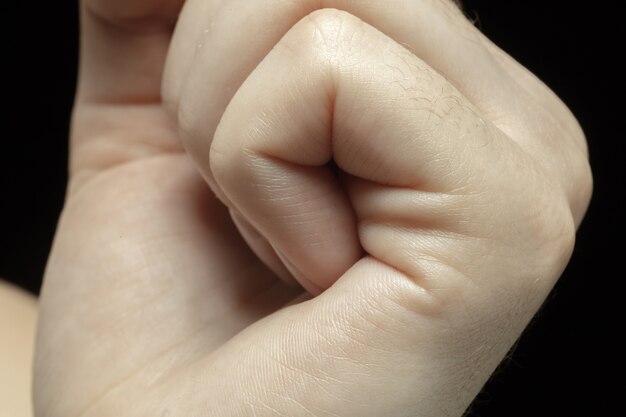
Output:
(417, 181)
(18, 318)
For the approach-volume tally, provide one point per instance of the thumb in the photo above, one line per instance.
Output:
(374, 344)
(123, 48)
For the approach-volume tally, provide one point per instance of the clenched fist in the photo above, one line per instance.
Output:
(420, 185)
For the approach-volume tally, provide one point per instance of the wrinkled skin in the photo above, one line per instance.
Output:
(201, 201)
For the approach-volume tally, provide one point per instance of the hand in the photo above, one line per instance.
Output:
(457, 185)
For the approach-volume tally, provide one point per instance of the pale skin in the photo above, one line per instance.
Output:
(18, 314)
(201, 203)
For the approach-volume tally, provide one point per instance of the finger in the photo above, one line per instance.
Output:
(373, 345)
(223, 58)
(336, 88)
(209, 60)
(207, 49)
(565, 151)
(123, 48)
(118, 115)
(540, 92)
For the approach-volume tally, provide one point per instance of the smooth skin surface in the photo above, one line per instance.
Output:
(18, 320)
(419, 183)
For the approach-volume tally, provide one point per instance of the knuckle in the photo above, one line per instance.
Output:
(326, 32)
(560, 243)
(552, 231)
(232, 163)
(328, 22)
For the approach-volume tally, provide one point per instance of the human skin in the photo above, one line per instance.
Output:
(457, 185)
(18, 317)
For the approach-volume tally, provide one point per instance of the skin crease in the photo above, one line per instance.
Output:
(459, 182)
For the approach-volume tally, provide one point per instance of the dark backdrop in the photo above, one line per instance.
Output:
(566, 362)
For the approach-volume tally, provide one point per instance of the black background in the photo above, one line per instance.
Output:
(568, 363)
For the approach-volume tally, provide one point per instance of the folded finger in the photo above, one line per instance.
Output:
(218, 44)
(336, 89)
